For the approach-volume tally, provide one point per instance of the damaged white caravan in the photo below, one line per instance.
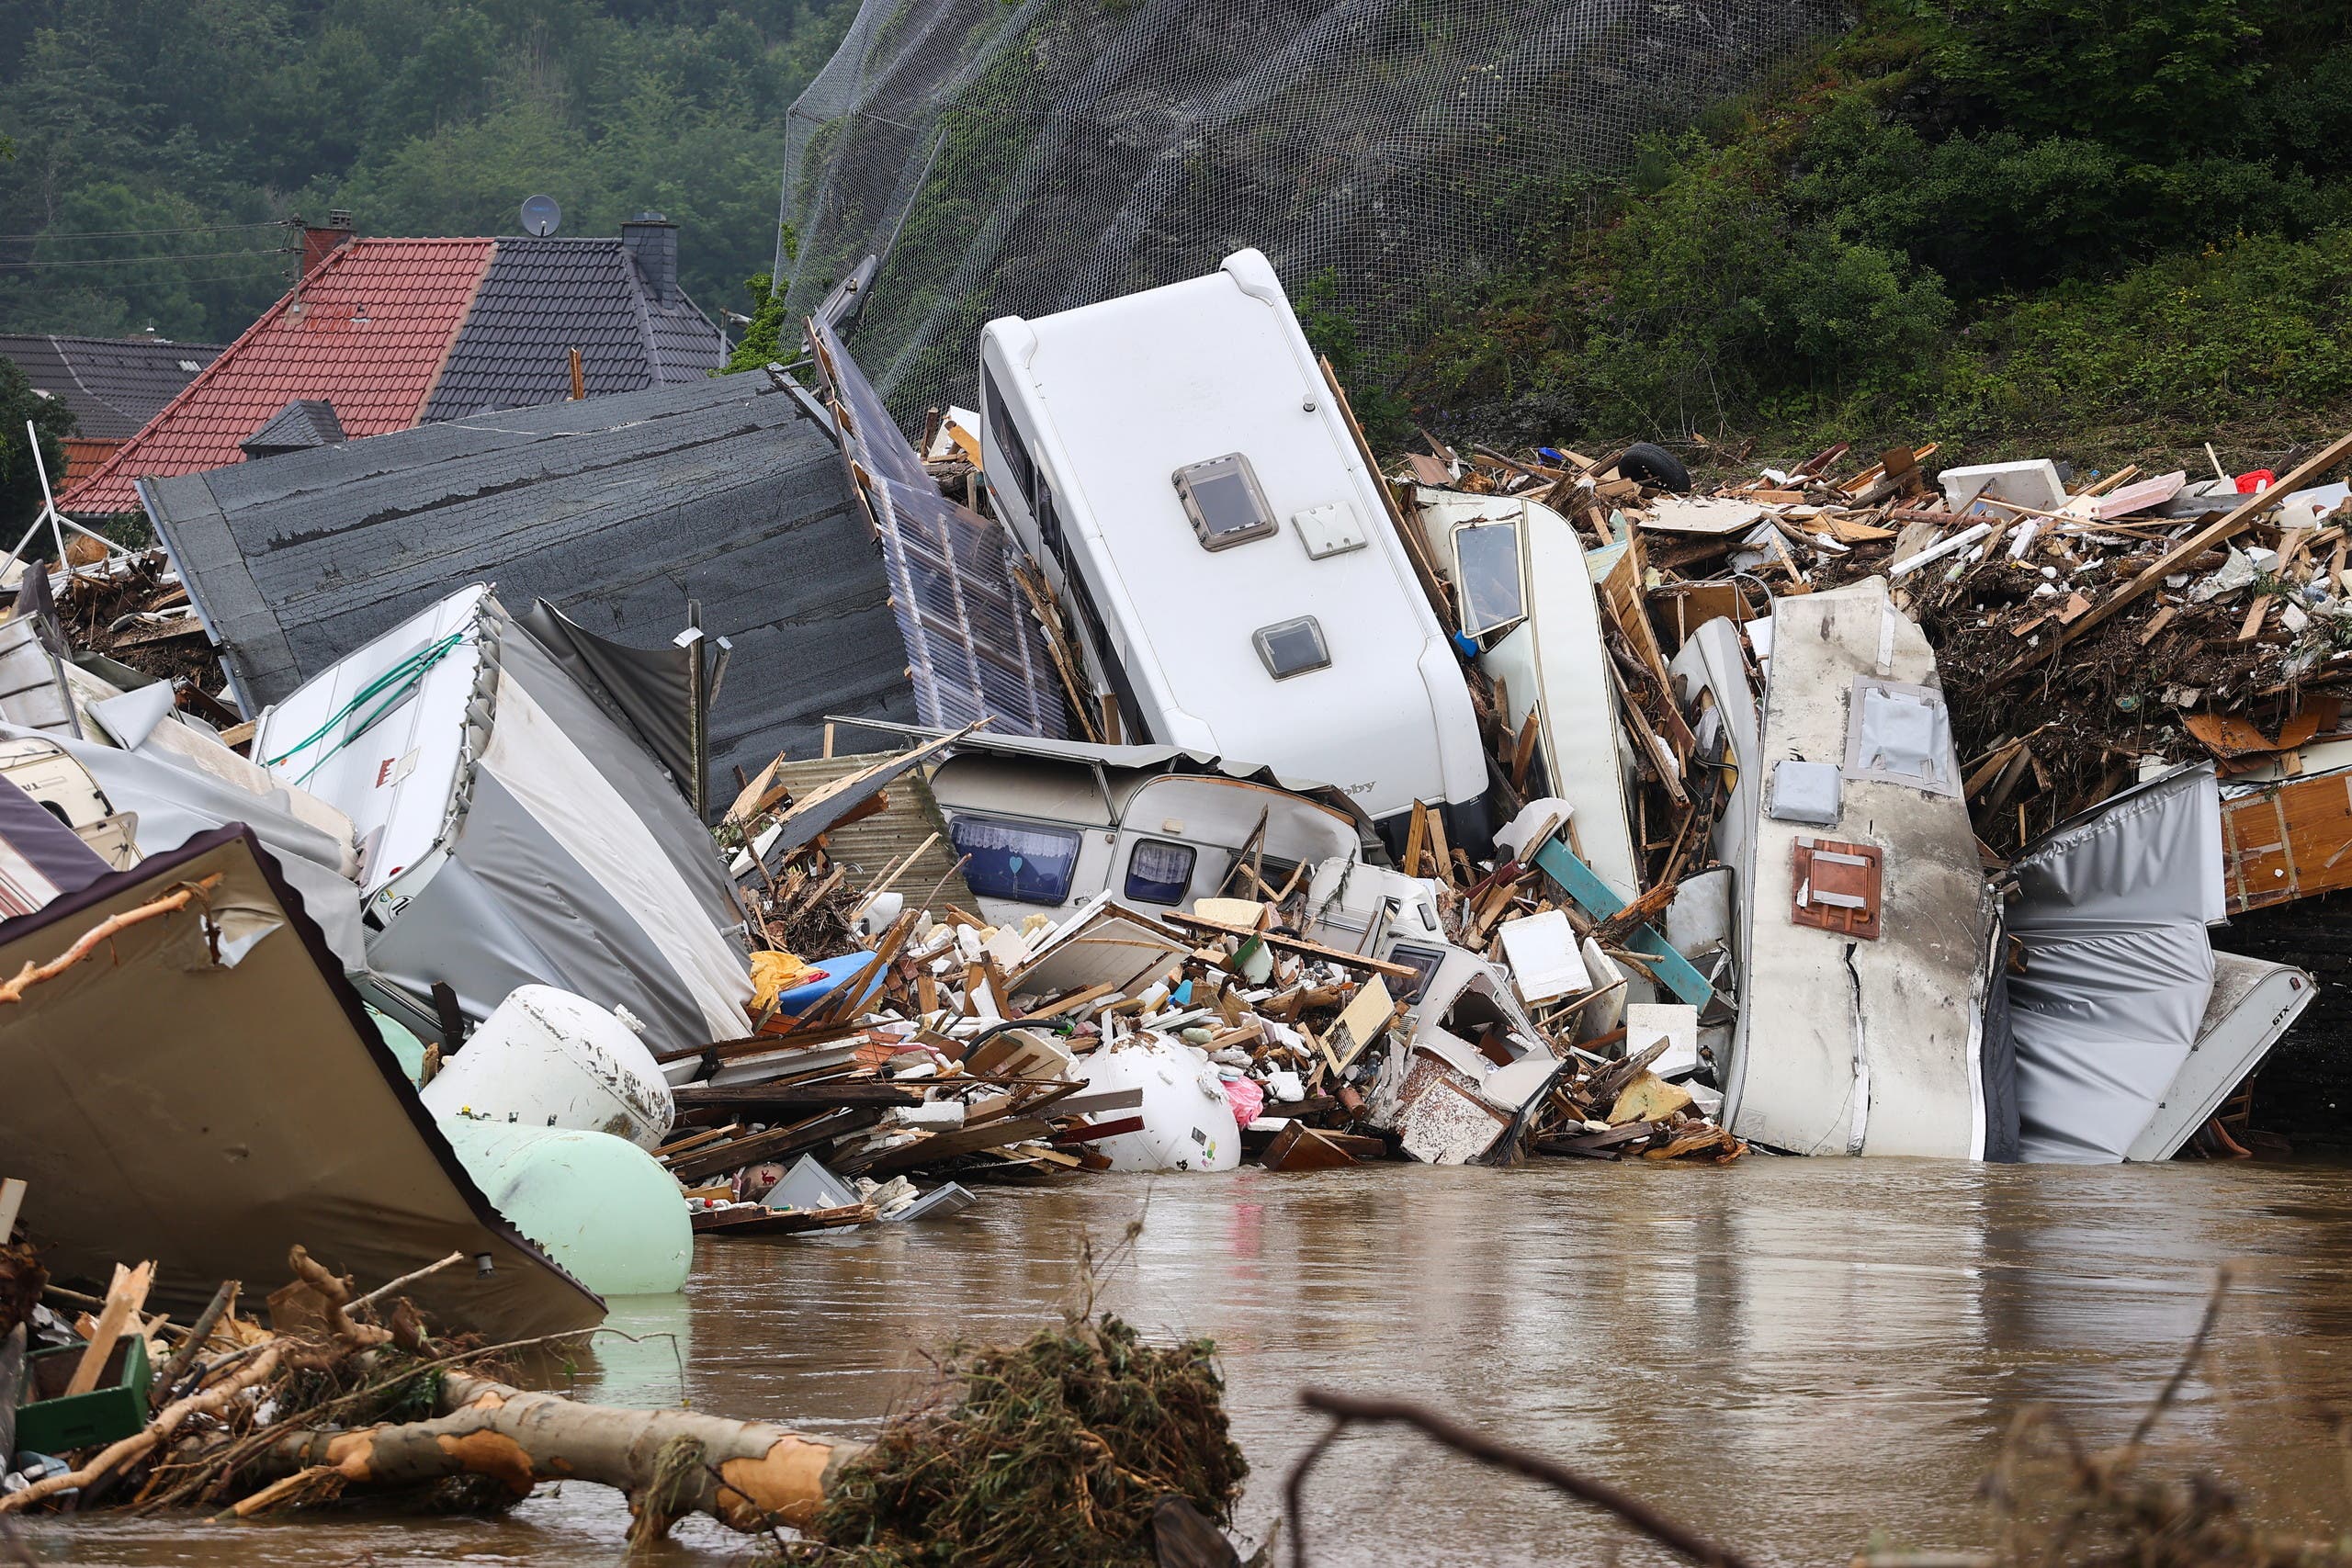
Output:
(1524, 586)
(513, 829)
(1866, 924)
(1227, 560)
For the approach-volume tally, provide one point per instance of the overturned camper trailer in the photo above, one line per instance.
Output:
(1084, 833)
(1523, 586)
(513, 829)
(212, 1093)
(1228, 565)
(1866, 927)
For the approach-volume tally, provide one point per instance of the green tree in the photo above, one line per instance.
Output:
(52, 423)
(2150, 77)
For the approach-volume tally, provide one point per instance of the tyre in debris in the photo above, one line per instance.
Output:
(1654, 467)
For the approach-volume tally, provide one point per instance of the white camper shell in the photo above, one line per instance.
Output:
(1178, 466)
(1044, 827)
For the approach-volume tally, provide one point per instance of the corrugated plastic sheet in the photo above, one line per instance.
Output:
(366, 331)
(972, 645)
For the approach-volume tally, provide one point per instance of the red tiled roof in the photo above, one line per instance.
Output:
(376, 323)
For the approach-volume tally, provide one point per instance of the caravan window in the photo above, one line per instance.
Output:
(1049, 528)
(1018, 466)
(1015, 860)
(1485, 562)
(1159, 872)
(1292, 648)
(1222, 498)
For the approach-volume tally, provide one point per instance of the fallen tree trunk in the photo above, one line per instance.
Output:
(749, 1475)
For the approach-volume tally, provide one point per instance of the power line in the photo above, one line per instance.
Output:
(139, 233)
(133, 261)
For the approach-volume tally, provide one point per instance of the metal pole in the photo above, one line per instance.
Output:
(697, 719)
(47, 497)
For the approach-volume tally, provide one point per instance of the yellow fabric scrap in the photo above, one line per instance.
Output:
(773, 974)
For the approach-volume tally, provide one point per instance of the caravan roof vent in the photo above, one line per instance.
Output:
(1292, 648)
(1222, 498)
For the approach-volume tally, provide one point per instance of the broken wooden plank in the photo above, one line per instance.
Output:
(1299, 945)
(1580, 882)
(125, 1293)
(775, 1143)
(821, 1095)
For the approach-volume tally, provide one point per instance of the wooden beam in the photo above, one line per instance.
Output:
(822, 1095)
(1297, 944)
(125, 1293)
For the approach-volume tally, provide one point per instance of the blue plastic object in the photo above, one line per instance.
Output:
(1465, 644)
(1182, 996)
(800, 998)
(1552, 455)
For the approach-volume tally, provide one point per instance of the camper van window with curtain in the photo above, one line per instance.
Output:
(1012, 860)
(1159, 872)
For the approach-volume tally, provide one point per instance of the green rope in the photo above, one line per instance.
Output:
(394, 685)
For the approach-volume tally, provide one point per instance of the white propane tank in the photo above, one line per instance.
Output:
(547, 1058)
(1187, 1121)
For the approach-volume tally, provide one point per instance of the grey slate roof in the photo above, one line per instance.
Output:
(113, 385)
(541, 299)
(616, 510)
(303, 424)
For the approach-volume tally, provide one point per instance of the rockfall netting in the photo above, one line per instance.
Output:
(1021, 158)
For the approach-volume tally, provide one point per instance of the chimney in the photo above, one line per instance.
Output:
(320, 243)
(652, 241)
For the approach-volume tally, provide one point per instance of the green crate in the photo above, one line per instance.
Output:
(108, 1413)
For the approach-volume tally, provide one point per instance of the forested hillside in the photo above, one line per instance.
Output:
(176, 130)
(2118, 224)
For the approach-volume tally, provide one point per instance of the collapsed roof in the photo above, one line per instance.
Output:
(616, 510)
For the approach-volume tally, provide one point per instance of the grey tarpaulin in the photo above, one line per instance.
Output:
(650, 688)
(562, 854)
(2112, 910)
(175, 800)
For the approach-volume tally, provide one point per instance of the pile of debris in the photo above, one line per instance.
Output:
(330, 1395)
(948, 1048)
(2086, 629)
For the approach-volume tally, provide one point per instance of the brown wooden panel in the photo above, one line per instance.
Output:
(2293, 840)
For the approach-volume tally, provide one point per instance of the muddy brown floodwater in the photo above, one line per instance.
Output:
(1801, 1356)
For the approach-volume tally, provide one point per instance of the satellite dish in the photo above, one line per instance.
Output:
(541, 215)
